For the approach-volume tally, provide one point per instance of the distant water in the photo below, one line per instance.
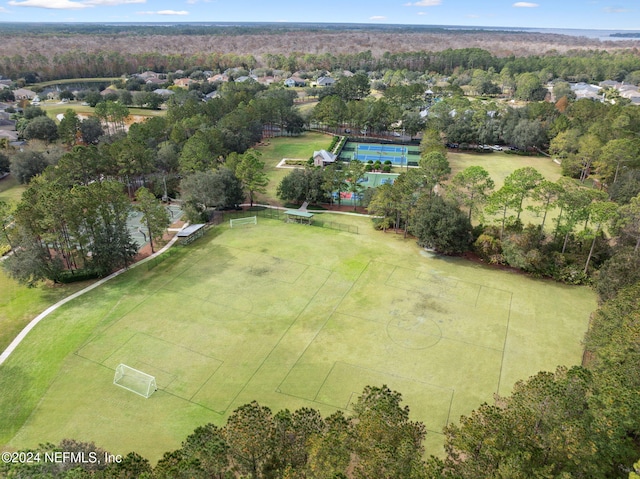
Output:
(603, 35)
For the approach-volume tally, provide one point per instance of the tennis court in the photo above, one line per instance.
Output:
(398, 155)
(373, 180)
(370, 180)
(138, 230)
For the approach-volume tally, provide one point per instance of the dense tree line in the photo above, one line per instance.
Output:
(72, 220)
(379, 440)
(578, 65)
(573, 422)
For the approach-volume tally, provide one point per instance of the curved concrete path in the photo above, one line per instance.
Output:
(34, 322)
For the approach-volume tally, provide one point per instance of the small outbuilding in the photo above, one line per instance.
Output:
(190, 233)
(297, 216)
(323, 158)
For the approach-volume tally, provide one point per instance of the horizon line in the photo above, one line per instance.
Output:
(367, 24)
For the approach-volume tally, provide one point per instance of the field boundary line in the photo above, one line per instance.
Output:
(34, 322)
(504, 346)
(331, 212)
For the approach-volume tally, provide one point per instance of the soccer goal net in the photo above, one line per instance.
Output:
(135, 381)
(251, 220)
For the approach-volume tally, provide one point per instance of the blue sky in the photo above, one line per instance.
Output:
(579, 14)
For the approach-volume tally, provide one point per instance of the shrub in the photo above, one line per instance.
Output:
(77, 275)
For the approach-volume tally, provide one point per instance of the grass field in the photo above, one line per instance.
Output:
(20, 304)
(54, 108)
(10, 189)
(292, 316)
(300, 147)
(500, 164)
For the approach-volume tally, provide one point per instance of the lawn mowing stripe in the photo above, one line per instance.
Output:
(315, 398)
(120, 347)
(475, 304)
(442, 395)
(206, 381)
(453, 392)
(504, 348)
(278, 342)
(456, 340)
(329, 316)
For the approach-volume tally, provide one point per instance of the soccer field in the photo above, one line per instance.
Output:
(291, 316)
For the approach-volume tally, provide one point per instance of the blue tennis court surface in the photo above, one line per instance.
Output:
(397, 155)
(383, 148)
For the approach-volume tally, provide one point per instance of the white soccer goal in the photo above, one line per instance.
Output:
(251, 220)
(135, 381)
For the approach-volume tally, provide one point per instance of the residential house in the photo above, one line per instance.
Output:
(148, 75)
(584, 90)
(183, 82)
(610, 84)
(7, 126)
(630, 92)
(294, 81)
(155, 81)
(220, 77)
(266, 80)
(325, 81)
(24, 94)
(245, 78)
(323, 158)
(164, 92)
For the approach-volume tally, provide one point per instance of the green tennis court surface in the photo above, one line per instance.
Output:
(290, 316)
(398, 155)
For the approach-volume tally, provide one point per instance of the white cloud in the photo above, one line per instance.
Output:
(70, 4)
(173, 12)
(422, 13)
(110, 3)
(472, 15)
(424, 3)
(165, 12)
(615, 10)
(525, 5)
(377, 17)
(51, 4)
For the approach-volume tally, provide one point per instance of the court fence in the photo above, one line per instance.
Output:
(275, 214)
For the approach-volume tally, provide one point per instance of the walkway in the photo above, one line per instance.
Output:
(34, 322)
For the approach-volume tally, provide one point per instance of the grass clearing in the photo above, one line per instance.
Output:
(299, 147)
(20, 304)
(10, 189)
(54, 108)
(292, 316)
(500, 165)
(67, 81)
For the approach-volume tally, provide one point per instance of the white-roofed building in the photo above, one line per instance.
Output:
(323, 158)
